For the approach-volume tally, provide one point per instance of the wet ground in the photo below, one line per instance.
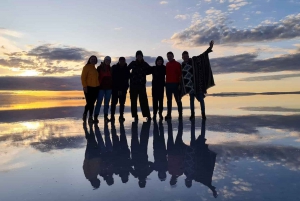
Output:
(247, 149)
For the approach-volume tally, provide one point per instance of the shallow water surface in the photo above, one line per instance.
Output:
(245, 150)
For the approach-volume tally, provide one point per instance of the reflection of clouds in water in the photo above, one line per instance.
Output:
(43, 135)
(268, 155)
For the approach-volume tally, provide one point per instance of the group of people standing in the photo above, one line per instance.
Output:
(193, 77)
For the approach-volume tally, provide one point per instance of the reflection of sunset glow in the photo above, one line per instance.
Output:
(31, 125)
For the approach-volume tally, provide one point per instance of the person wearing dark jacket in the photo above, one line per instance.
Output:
(120, 84)
(158, 86)
(139, 70)
(197, 77)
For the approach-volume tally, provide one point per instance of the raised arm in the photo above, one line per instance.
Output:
(209, 49)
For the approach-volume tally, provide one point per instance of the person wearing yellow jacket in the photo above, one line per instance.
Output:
(90, 84)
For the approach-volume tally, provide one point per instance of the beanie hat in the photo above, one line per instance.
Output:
(139, 52)
(107, 58)
(122, 58)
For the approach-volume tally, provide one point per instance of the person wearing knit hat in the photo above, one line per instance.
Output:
(139, 70)
(120, 84)
(105, 81)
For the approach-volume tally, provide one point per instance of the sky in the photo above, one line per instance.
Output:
(257, 42)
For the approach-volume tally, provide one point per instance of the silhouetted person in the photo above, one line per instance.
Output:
(158, 86)
(160, 151)
(139, 70)
(175, 153)
(122, 165)
(173, 80)
(91, 161)
(142, 167)
(197, 77)
(90, 84)
(107, 156)
(120, 84)
(205, 162)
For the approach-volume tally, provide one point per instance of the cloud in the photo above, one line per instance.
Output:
(270, 77)
(65, 53)
(12, 33)
(181, 17)
(218, 27)
(248, 63)
(235, 94)
(236, 4)
(118, 28)
(163, 2)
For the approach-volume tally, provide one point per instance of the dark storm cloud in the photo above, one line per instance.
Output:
(59, 53)
(247, 63)
(218, 29)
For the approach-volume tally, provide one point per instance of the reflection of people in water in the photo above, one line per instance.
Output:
(189, 158)
(205, 162)
(175, 153)
(160, 151)
(142, 167)
(106, 169)
(122, 165)
(92, 160)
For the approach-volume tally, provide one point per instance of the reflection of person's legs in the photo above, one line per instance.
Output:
(179, 141)
(100, 139)
(99, 103)
(170, 143)
(144, 102)
(169, 98)
(193, 136)
(114, 102)
(145, 137)
(134, 139)
(123, 139)
(108, 143)
(133, 98)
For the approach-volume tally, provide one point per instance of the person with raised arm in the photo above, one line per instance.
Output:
(197, 77)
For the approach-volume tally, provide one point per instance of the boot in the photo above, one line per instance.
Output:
(180, 116)
(121, 118)
(90, 120)
(96, 119)
(192, 117)
(112, 118)
(84, 117)
(168, 117)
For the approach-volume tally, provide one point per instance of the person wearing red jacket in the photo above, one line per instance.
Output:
(105, 81)
(173, 79)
